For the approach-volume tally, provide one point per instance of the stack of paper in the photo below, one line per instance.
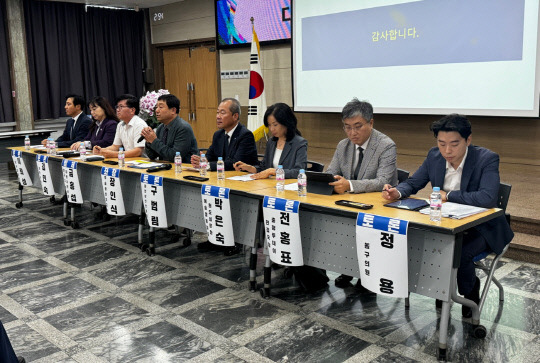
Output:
(456, 211)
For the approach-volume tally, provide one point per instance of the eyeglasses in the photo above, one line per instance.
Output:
(348, 128)
(119, 107)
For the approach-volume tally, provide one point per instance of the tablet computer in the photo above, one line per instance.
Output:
(318, 183)
(408, 203)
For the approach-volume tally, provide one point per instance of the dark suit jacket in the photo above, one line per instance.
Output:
(105, 136)
(293, 158)
(241, 148)
(180, 138)
(479, 187)
(79, 131)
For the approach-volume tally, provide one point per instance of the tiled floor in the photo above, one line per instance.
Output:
(90, 295)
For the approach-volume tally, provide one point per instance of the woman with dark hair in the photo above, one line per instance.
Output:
(286, 147)
(104, 122)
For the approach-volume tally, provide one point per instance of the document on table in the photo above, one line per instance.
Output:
(37, 147)
(245, 178)
(292, 186)
(456, 210)
(141, 164)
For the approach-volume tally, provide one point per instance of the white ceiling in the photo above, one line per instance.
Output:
(125, 3)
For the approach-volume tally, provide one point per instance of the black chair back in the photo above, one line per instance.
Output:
(504, 195)
(402, 175)
(314, 166)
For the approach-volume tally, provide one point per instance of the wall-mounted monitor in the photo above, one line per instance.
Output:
(233, 24)
(476, 57)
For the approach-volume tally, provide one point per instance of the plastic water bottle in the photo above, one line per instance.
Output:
(121, 158)
(220, 169)
(82, 151)
(53, 148)
(280, 178)
(203, 165)
(178, 163)
(435, 205)
(26, 143)
(302, 183)
(49, 140)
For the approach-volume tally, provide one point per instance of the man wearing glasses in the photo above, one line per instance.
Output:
(128, 130)
(363, 162)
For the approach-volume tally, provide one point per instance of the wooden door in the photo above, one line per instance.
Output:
(191, 74)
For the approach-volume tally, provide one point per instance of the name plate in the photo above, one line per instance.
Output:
(20, 167)
(153, 200)
(71, 181)
(381, 244)
(217, 215)
(42, 162)
(282, 227)
(112, 191)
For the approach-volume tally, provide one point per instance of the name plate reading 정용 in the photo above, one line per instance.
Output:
(381, 244)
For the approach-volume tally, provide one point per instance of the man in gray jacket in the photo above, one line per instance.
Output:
(363, 162)
(174, 134)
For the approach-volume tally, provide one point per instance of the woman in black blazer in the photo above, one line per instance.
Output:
(286, 147)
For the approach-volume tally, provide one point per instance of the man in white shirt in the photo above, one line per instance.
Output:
(128, 131)
(466, 174)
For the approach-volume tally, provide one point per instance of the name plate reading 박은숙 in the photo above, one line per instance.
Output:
(153, 200)
(282, 229)
(71, 181)
(112, 191)
(20, 167)
(42, 162)
(217, 215)
(381, 244)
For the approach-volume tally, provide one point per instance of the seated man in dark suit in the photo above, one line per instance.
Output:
(364, 161)
(77, 126)
(466, 174)
(233, 141)
(174, 134)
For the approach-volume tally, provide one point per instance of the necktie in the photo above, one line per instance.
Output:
(164, 136)
(359, 163)
(226, 146)
(71, 131)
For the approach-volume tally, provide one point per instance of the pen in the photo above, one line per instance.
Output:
(387, 189)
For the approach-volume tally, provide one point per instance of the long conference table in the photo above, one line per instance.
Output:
(328, 231)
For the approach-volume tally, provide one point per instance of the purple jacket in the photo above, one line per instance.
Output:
(104, 136)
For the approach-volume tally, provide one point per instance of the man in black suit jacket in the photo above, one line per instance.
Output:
(77, 126)
(233, 142)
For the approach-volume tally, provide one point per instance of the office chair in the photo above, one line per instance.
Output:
(481, 263)
(402, 175)
(314, 166)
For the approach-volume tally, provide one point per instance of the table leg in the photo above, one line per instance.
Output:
(252, 270)
(265, 290)
(20, 203)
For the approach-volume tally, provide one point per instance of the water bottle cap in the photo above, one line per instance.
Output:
(203, 155)
(280, 166)
(121, 149)
(220, 158)
(436, 189)
(177, 153)
(302, 171)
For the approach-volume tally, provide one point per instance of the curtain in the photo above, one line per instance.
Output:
(6, 101)
(98, 52)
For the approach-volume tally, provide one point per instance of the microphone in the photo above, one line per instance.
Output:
(140, 138)
(158, 168)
